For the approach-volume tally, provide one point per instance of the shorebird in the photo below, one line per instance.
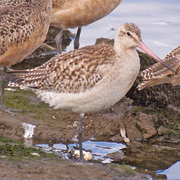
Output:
(88, 79)
(23, 28)
(157, 74)
(78, 13)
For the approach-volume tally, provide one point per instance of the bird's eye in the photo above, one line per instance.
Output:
(128, 33)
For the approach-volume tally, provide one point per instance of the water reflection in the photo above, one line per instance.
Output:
(100, 148)
(97, 148)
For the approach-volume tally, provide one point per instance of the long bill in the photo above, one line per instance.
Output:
(142, 46)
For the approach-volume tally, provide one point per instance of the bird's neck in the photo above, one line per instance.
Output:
(127, 58)
(124, 52)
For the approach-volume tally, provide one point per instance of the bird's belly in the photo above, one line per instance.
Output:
(17, 51)
(89, 101)
(82, 13)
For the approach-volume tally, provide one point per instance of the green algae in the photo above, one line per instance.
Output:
(13, 149)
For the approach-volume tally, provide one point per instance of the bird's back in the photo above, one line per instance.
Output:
(72, 72)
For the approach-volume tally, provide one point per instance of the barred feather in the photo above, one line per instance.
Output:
(158, 74)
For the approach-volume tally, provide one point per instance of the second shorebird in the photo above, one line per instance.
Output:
(157, 74)
(78, 13)
(88, 79)
(23, 28)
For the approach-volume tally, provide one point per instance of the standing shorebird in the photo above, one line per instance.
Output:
(88, 79)
(23, 28)
(78, 13)
(157, 74)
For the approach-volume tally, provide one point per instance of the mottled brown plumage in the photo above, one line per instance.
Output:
(23, 28)
(157, 74)
(72, 72)
(78, 13)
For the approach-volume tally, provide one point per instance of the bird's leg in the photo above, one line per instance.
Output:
(80, 131)
(44, 45)
(58, 40)
(76, 40)
(3, 107)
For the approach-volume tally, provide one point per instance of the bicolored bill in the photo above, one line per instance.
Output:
(142, 46)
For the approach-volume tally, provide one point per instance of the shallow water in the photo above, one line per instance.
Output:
(159, 22)
(99, 150)
(173, 172)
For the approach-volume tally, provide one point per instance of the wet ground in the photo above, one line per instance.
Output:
(20, 163)
(55, 127)
(150, 117)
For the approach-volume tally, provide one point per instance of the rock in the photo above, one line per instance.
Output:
(105, 41)
(175, 109)
(116, 156)
(145, 124)
(161, 130)
(87, 155)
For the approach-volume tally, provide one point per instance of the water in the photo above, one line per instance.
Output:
(159, 22)
(100, 148)
(97, 148)
(167, 160)
(173, 172)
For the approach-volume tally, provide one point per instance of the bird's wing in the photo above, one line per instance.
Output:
(72, 72)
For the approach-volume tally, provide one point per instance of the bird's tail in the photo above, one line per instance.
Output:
(15, 77)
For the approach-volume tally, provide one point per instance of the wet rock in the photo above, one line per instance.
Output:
(117, 138)
(115, 156)
(132, 131)
(105, 41)
(145, 124)
(66, 38)
(140, 126)
(134, 145)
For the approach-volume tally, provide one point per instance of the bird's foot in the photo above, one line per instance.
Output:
(10, 110)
